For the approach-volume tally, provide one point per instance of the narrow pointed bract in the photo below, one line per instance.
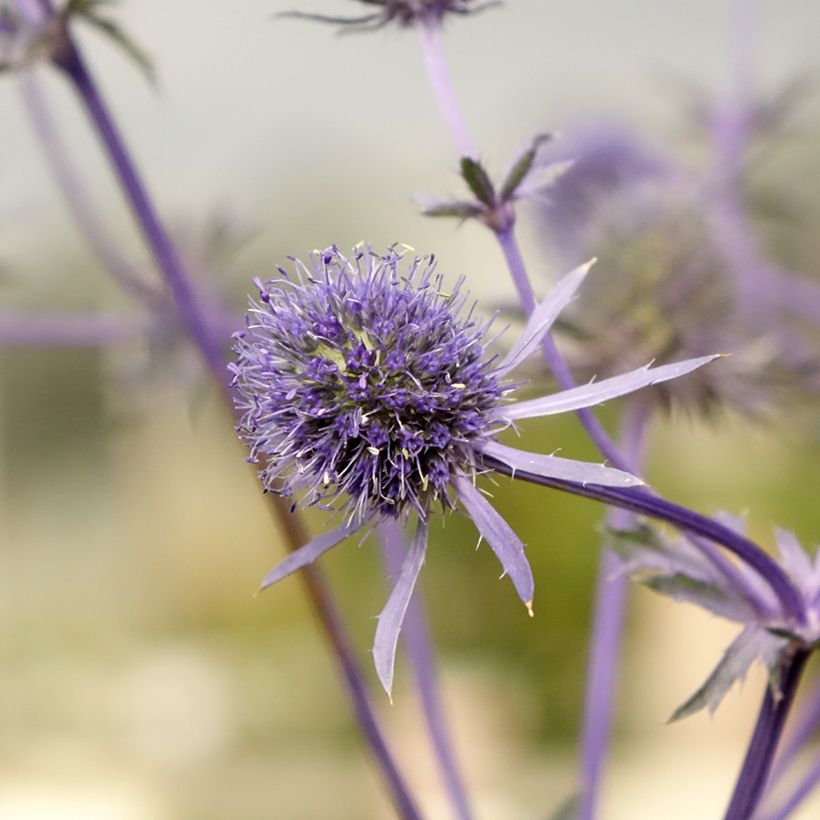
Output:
(595, 393)
(544, 316)
(392, 616)
(566, 469)
(306, 555)
(507, 546)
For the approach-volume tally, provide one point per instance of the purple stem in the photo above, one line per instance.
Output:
(431, 46)
(607, 629)
(555, 361)
(420, 653)
(770, 722)
(75, 194)
(19, 329)
(801, 792)
(808, 724)
(644, 503)
(195, 319)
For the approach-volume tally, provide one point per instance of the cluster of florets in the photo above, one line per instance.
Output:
(362, 384)
(663, 285)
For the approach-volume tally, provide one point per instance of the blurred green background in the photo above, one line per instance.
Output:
(142, 680)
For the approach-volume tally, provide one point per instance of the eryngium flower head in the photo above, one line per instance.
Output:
(402, 12)
(369, 388)
(363, 385)
(665, 285)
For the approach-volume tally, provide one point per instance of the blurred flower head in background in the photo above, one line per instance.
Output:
(664, 286)
(402, 12)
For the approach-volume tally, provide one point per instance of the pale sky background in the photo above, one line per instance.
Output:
(312, 138)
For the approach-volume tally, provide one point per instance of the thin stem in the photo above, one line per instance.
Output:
(803, 789)
(808, 724)
(684, 519)
(770, 722)
(555, 361)
(18, 329)
(195, 320)
(607, 630)
(74, 193)
(431, 46)
(191, 312)
(419, 647)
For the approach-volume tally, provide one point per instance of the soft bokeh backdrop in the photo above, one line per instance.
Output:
(142, 680)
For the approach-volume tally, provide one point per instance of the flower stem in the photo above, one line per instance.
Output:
(74, 193)
(639, 501)
(420, 653)
(194, 317)
(607, 629)
(555, 361)
(808, 724)
(803, 789)
(431, 46)
(19, 329)
(196, 321)
(770, 722)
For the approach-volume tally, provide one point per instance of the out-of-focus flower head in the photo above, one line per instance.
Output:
(32, 32)
(663, 286)
(367, 387)
(401, 12)
(680, 571)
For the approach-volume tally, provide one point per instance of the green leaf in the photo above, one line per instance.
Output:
(570, 809)
(521, 167)
(90, 11)
(478, 181)
(460, 210)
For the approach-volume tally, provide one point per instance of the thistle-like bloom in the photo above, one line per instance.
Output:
(664, 286)
(369, 389)
(402, 12)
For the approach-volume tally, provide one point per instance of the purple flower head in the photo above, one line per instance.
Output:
(663, 285)
(363, 386)
(366, 386)
(402, 12)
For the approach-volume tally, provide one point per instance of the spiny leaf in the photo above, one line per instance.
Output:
(478, 181)
(521, 167)
(682, 587)
(752, 644)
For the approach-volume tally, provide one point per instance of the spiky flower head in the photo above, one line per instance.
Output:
(665, 285)
(404, 13)
(366, 386)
